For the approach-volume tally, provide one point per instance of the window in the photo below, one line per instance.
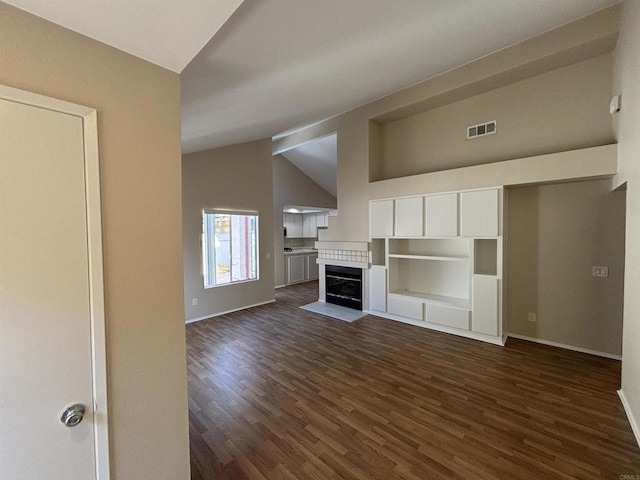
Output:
(230, 247)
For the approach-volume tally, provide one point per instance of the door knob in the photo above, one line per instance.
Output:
(72, 415)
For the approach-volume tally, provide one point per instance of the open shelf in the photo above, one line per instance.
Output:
(485, 256)
(434, 299)
(429, 279)
(378, 251)
(430, 257)
(427, 247)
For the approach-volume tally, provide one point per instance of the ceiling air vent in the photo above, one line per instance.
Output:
(482, 129)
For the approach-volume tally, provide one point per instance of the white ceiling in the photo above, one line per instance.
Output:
(168, 33)
(281, 64)
(318, 159)
(277, 65)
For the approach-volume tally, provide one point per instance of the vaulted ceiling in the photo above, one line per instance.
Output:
(269, 66)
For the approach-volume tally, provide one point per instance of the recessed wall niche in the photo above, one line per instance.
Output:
(430, 135)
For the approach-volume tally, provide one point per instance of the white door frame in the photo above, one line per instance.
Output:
(94, 243)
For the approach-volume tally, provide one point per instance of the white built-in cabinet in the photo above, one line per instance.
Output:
(381, 218)
(378, 288)
(437, 261)
(479, 213)
(442, 215)
(409, 214)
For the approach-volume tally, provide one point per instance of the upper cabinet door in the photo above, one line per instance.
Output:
(442, 215)
(381, 218)
(410, 217)
(479, 213)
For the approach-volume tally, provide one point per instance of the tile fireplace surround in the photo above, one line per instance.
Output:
(344, 254)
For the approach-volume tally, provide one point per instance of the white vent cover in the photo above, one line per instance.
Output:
(481, 129)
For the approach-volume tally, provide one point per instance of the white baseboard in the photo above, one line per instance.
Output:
(197, 319)
(568, 347)
(632, 420)
(280, 286)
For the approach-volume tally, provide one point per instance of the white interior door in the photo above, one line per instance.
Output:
(45, 307)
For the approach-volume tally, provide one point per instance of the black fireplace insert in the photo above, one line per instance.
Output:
(343, 286)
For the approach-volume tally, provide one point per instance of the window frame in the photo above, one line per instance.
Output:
(205, 243)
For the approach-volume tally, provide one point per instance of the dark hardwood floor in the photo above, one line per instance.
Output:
(276, 392)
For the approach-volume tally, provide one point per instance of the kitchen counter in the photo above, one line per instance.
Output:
(300, 251)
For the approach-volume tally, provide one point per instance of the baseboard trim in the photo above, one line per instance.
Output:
(280, 286)
(205, 317)
(565, 346)
(632, 420)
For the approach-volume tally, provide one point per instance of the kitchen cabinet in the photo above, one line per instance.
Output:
(301, 267)
(322, 219)
(293, 224)
(312, 267)
(296, 268)
(309, 225)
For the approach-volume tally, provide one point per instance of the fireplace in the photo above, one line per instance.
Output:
(343, 286)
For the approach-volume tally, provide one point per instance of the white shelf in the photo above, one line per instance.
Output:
(447, 258)
(434, 299)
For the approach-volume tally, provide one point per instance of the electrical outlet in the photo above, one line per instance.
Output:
(600, 271)
(532, 317)
(194, 301)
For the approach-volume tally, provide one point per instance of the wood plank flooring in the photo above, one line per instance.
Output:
(276, 392)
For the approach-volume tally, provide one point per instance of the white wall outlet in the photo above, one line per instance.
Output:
(600, 271)
(268, 255)
(531, 317)
(194, 301)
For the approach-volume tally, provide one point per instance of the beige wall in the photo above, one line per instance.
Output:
(139, 134)
(544, 114)
(556, 233)
(236, 178)
(627, 126)
(292, 187)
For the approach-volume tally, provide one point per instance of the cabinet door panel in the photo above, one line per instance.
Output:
(378, 289)
(295, 269)
(448, 316)
(410, 217)
(381, 218)
(479, 213)
(485, 304)
(297, 226)
(312, 266)
(405, 308)
(442, 215)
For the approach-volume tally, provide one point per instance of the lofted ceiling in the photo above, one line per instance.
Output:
(269, 66)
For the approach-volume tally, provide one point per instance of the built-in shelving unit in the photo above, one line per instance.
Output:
(437, 261)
